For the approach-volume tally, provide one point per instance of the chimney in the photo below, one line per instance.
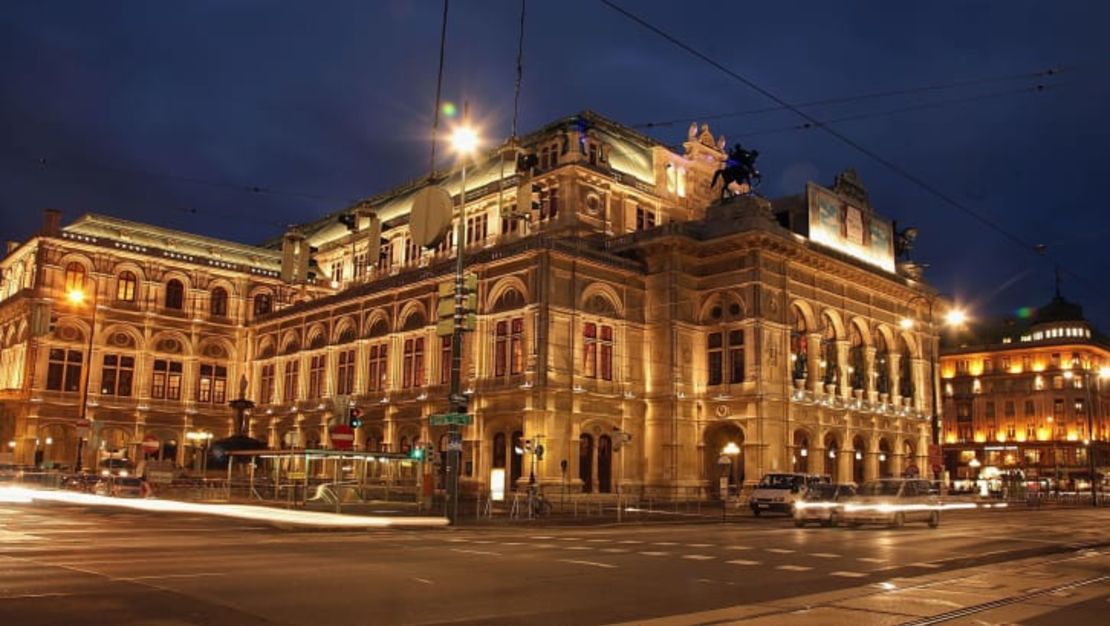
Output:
(294, 256)
(51, 222)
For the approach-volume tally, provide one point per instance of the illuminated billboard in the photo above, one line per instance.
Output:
(849, 229)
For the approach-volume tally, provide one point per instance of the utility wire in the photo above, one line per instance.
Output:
(1050, 72)
(919, 182)
(439, 90)
(519, 67)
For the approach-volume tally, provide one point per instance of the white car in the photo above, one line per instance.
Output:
(893, 501)
(778, 492)
(823, 503)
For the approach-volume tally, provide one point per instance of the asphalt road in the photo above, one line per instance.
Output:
(69, 565)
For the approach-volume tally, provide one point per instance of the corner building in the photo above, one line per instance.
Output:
(616, 296)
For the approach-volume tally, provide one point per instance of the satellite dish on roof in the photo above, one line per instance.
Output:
(430, 219)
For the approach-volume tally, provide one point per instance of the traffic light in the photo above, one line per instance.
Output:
(354, 417)
(539, 452)
(417, 453)
(445, 309)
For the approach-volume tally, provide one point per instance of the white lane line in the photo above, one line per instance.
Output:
(422, 580)
(475, 552)
(698, 557)
(825, 555)
(779, 550)
(793, 568)
(570, 539)
(590, 563)
(925, 565)
(615, 550)
(739, 547)
(630, 541)
(848, 574)
(542, 537)
(868, 559)
(742, 562)
(698, 545)
(458, 540)
(664, 543)
(579, 548)
(480, 541)
(159, 576)
(544, 545)
(513, 543)
(649, 553)
(596, 540)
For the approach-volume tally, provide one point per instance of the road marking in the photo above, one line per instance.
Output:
(925, 565)
(480, 541)
(475, 552)
(630, 541)
(542, 537)
(596, 540)
(570, 539)
(848, 574)
(590, 563)
(739, 547)
(698, 545)
(655, 553)
(513, 543)
(579, 548)
(825, 555)
(793, 568)
(458, 540)
(779, 550)
(422, 580)
(615, 550)
(698, 557)
(157, 576)
(742, 562)
(544, 545)
(664, 543)
(868, 559)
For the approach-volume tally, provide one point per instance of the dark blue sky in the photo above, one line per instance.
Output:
(144, 109)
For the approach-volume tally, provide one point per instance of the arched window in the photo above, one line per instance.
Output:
(799, 348)
(905, 377)
(856, 365)
(126, 285)
(218, 307)
(75, 277)
(882, 364)
(263, 304)
(175, 295)
(830, 361)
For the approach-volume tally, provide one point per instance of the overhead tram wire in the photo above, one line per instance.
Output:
(439, 91)
(516, 107)
(1048, 73)
(894, 167)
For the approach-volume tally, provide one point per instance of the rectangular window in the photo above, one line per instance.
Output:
(589, 350)
(501, 348)
(445, 350)
(516, 346)
(317, 368)
(1057, 382)
(345, 377)
(64, 370)
(510, 225)
(337, 271)
(359, 264)
(412, 374)
(736, 356)
(212, 384)
(989, 408)
(1009, 408)
(289, 386)
(606, 365)
(412, 250)
(266, 388)
(1080, 408)
(379, 368)
(477, 229)
(508, 347)
(645, 218)
(117, 374)
(716, 358)
(385, 257)
(165, 383)
(1005, 363)
(549, 203)
(1030, 408)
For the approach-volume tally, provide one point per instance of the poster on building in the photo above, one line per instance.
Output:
(848, 229)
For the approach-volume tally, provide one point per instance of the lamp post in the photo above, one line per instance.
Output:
(1103, 372)
(465, 141)
(77, 297)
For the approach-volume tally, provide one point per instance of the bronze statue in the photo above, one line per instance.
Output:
(740, 170)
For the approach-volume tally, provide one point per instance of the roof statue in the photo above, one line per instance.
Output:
(739, 175)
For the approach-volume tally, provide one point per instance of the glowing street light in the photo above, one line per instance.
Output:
(731, 449)
(906, 323)
(464, 139)
(955, 317)
(76, 296)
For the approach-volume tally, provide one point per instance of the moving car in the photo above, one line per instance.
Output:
(893, 501)
(823, 503)
(778, 492)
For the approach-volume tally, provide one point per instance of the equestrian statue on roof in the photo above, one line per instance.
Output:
(739, 173)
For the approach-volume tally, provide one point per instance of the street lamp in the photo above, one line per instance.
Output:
(1103, 373)
(464, 141)
(77, 297)
(953, 318)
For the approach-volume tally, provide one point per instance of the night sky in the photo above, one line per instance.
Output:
(172, 113)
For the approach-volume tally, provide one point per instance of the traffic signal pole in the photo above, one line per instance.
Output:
(456, 400)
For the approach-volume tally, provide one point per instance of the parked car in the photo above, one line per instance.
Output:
(778, 492)
(823, 503)
(893, 501)
(117, 467)
(123, 487)
(84, 482)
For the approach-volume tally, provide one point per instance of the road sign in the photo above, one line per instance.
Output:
(83, 427)
(151, 444)
(342, 437)
(446, 419)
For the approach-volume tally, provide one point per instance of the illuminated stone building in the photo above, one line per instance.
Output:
(620, 299)
(1026, 399)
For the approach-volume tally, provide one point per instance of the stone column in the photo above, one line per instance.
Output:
(869, 375)
(896, 461)
(844, 382)
(871, 465)
(813, 362)
(846, 459)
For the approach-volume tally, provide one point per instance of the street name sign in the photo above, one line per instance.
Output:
(446, 419)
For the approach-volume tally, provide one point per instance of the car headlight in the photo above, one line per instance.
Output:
(123, 473)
